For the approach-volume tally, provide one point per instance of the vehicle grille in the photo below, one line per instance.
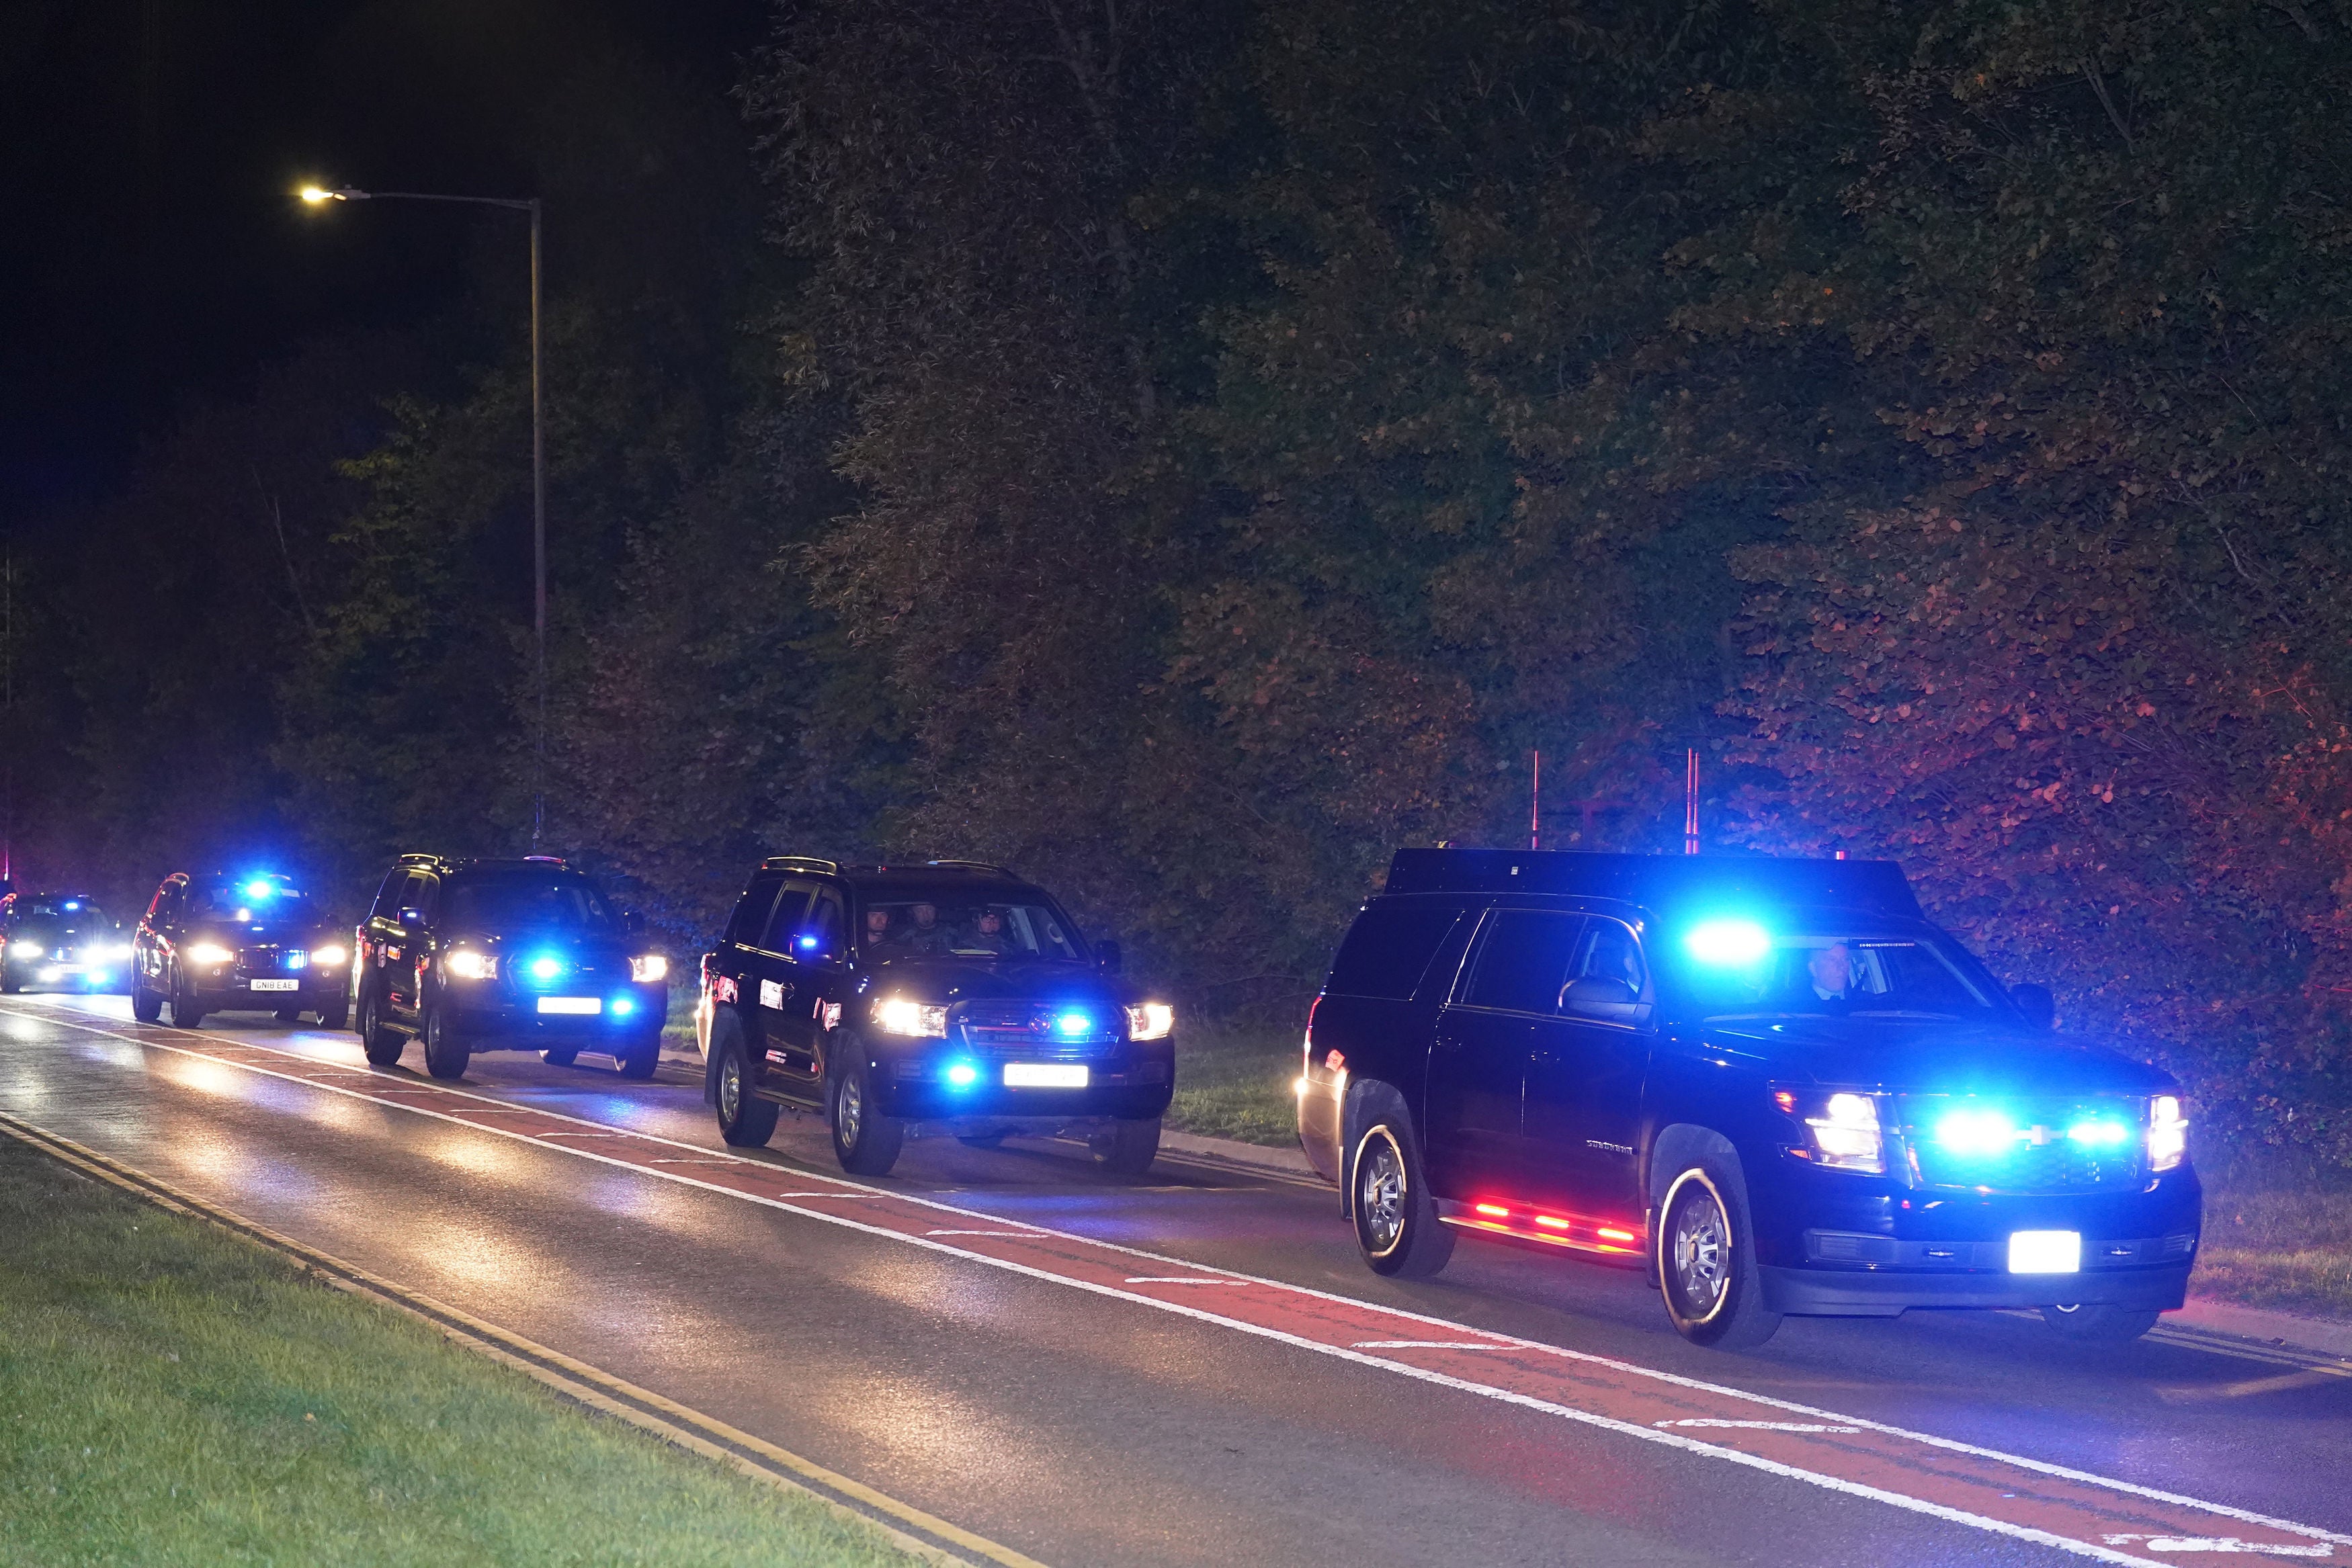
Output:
(1031, 1033)
(271, 959)
(2040, 1157)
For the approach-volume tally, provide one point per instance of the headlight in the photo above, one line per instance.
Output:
(1151, 1020)
(1844, 1130)
(119, 952)
(210, 952)
(2168, 1132)
(898, 1015)
(469, 964)
(24, 950)
(646, 970)
(327, 957)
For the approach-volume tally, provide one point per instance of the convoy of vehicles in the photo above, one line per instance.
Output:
(59, 941)
(1769, 1082)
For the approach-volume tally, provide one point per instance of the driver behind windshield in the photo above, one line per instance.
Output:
(1832, 971)
(987, 933)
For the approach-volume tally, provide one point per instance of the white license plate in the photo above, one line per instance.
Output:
(65, 969)
(576, 1005)
(1045, 1075)
(2045, 1251)
(275, 985)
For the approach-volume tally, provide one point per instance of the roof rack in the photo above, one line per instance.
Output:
(971, 865)
(799, 863)
(418, 857)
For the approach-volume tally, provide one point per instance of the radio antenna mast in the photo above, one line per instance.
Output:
(1690, 801)
(1535, 804)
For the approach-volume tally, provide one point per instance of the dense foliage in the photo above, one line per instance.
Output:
(1189, 450)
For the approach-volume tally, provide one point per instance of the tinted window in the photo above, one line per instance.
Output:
(957, 921)
(1609, 953)
(786, 919)
(1388, 949)
(1832, 971)
(528, 900)
(820, 929)
(387, 898)
(1523, 960)
(752, 913)
(238, 902)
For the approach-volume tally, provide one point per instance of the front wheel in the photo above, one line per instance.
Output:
(639, 1056)
(864, 1141)
(382, 1042)
(287, 1015)
(1130, 1147)
(745, 1121)
(146, 1005)
(1707, 1259)
(447, 1051)
(1397, 1227)
(2101, 1325)
(187, 1011)
(335, 1014)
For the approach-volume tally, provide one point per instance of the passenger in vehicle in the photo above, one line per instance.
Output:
(988, 933)
(878, 927)
(1831, 968)
(926, 935)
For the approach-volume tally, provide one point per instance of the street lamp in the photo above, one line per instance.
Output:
(318, 195)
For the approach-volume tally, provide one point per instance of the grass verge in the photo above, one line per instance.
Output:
(172, 1395)
(2273, 1245)
(1236, 1084)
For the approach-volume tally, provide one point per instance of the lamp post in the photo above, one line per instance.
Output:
(316, 195)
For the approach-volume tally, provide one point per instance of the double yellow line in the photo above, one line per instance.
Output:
(920, 1534)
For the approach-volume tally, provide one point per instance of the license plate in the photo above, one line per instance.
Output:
(2045, 1251)
(67, 968)
(1045, 1075)
(275, 985)
(576, 1005)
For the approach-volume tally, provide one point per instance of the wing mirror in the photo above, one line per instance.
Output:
(633, 924)
(2040, 1008)
(1599, 999)
(1107, 958)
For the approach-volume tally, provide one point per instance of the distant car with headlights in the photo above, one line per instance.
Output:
(1769, 1082)
(466, 955)
(60, 941)
(249, 943)
(946, 996)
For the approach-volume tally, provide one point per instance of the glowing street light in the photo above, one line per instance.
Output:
(319, 195)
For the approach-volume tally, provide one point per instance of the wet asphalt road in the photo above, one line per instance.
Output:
(1081, 1428)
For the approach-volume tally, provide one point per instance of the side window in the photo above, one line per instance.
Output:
(387, 898)
(425, 892)
(822, 928)
(1523, 960)
(790, 906)
(1387, 949)
(161, 909)
(750, 915)
(1609, 953)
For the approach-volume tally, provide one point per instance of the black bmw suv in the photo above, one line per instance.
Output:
(236, 943)
(945, 994)
(1770, 1082)
(522, 955)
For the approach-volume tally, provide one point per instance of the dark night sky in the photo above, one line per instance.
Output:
(152, 250)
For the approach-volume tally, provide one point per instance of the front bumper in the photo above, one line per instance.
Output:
(239, 993)
(1133, 1083)
(50, 973)
(515, 1022)
(1828, 1292)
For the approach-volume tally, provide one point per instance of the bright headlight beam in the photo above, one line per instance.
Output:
(1731, 942)
(209, 952)
(648, 967)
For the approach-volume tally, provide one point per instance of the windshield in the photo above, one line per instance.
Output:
(533, 899)
(243, 902)
(77, 912)
(958, 922)
(1736, 968)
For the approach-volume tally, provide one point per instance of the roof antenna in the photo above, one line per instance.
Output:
(1690, 801)
(1535, 805)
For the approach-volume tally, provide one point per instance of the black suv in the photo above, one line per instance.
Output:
(62, 940)
(944, 994)
(1769, 1081)
(236, 943)
(524, 955)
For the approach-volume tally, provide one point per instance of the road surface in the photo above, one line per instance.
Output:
(1193, 1369)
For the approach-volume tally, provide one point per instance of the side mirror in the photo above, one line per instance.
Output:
(1601, 998)
(1107, 958)
(632, 923)
(2040, 1008)
(411, 917)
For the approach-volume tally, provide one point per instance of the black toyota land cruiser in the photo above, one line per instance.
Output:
(945, 994)
(521, 955)
(1771, 1083)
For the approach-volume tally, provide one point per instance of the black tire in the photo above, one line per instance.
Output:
(186, 1012)
(382, 1042)
(866, 1142)
(561, 1056)
(2099, 1325)
(1397, 1227)
(745, 1121)
(1130, 1147)
(447, 1051)
(639, 1056)
(146, 1005)
(335, 1014)
(9, 984)
(1705, 1254)
(288, 1014)
(982, 1140)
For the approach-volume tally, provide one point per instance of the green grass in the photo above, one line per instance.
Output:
(170, 1394)
(2273, 1245)
(1236, 1084)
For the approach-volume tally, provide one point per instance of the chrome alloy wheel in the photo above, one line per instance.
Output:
(1699, 1236)
(731, 1088)
(849, 1111)
(1379, 1192)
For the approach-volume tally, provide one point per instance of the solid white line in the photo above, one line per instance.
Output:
(1834, 1483)
(1432, 1345)
(1756, 1425)
(1159, 1280)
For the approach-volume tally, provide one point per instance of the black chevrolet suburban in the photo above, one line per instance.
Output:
(944, 995)
(1769, 1082)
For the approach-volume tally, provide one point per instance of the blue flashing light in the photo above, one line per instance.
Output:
(260, 888)
(1730, 942)
(808, 942)
(546, 968)
(624, 1006)
(1074, 1023)
(2099, 1134)
(963, 1075)
(298, 960)
(1987, 1132)
(71, 905)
